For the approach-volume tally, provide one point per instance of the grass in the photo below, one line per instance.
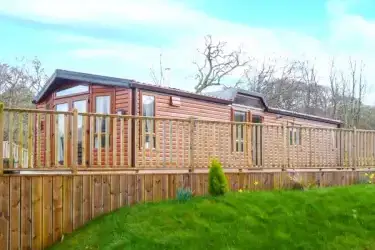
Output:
(331, 218)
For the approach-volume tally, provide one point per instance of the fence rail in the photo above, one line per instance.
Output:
(49, 139)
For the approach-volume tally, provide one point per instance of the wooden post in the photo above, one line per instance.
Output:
(91, 141)
(157, 138)
(114, 141)
(48, 140)
(10, 136)
(122, 134)
(20, 140)
(99, 148)
(66, 138)
(106, 147)
(354, 143)
(38, 141)
(30, 141)
(191, 142)
(130, 122)
(310, 148)
(1, 137)
(170, 143)
(75, 140)
(84, 145)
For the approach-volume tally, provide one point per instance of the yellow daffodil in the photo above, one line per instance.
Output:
(240, 191)
(256, 183)
(366, 174)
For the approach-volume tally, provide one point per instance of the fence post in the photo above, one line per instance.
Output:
(75, 140)
(191, 142)
(249, 144)
(285, 145)
(354, 143)
(1, 137)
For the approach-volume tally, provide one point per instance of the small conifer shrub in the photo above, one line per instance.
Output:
(217, 182)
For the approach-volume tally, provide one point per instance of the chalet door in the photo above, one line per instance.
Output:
(69, 105)
(81, 106)
(60, 136)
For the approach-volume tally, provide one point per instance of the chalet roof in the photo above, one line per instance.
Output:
(226, 96)
(59, 76)
(232, 93)
(56, 80)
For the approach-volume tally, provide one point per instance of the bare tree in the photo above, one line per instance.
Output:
(158, 78)
(217, 64)
(358, 87)
(347, 91)
(19, 83)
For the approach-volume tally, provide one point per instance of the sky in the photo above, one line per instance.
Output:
(125, 38)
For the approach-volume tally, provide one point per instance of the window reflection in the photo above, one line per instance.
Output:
(73, 90)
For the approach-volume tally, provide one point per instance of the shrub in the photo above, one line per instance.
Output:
(217, 182)
(184, 194)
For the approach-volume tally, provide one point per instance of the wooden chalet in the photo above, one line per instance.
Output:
(133, 124)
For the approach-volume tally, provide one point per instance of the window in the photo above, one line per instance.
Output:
(73, 90)
(60, 136)
(81, 106)
(239, 128)
(148, 109)
(295, 135)
(102, 106)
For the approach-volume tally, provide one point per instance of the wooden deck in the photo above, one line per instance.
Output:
(71, 140)
(74, 172)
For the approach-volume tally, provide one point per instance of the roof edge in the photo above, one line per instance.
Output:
(287, 112)
(79, 76)
(179, 92)
(304, 116)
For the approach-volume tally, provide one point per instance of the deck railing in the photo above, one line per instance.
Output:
(59, 140)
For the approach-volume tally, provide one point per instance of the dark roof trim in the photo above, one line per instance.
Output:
(81, 77)
(231, 93)
(114, 81)
(303, 116)
(172, 91)
(253, 94)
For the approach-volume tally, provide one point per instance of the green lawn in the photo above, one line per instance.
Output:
(331, 218)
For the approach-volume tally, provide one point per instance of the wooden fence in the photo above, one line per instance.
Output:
(19, 155)
(61, 140)
(36, 210)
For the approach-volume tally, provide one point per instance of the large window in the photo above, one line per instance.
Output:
(239, 130)
(148, 109)
(102, 106)
(73, 90)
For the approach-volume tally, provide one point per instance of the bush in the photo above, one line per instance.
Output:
(184, 194)
(217, 182)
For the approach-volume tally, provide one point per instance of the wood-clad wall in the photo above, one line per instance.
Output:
(317, 148)
(189, 107)
(173, 137)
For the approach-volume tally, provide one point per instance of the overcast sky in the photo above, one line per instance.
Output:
(124, 38)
